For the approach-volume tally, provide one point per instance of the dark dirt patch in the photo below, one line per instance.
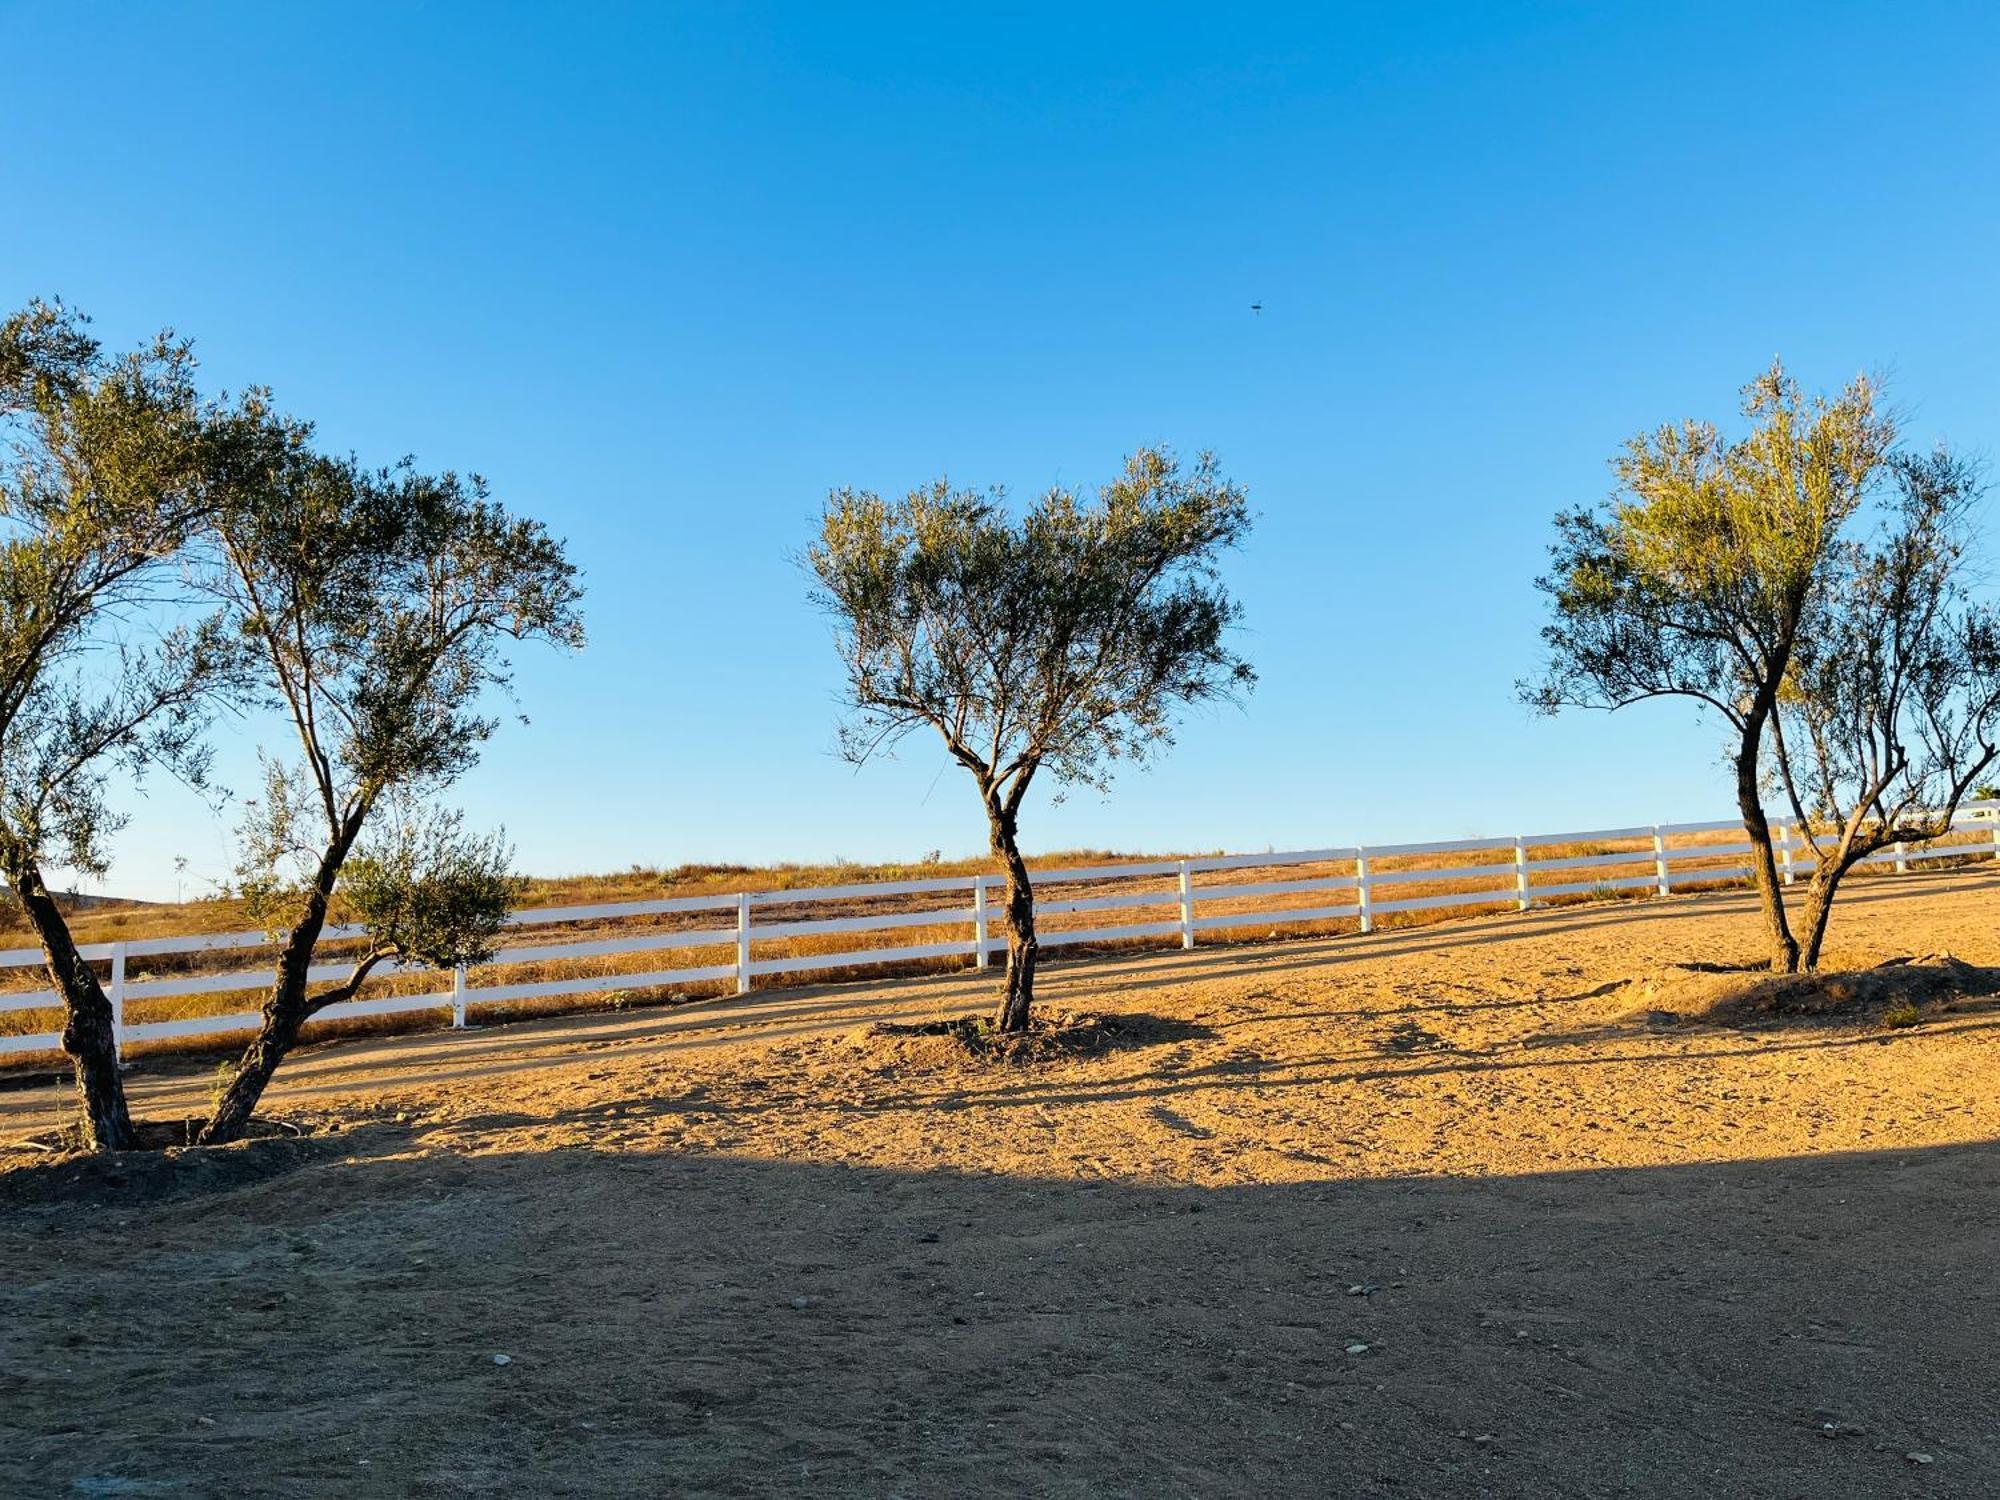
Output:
(1408, 1036)
(162, 1168)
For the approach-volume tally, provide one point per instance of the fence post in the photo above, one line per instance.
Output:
(1187, 906)
(979, 922)
(1788, 852)
(1996, 834)
(1660, 863)
(743, 943)
(458, 997)
(1361, 890)
(117, 998)
(1902, 858)
(1521, 901)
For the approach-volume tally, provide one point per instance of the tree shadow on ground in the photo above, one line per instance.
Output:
(391, 1321)
(1385, 1058)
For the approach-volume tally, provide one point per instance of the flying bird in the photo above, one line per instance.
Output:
(1256, 307)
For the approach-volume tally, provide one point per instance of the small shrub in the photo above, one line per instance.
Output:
(218, 1085)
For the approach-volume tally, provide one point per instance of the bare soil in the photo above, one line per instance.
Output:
(1570, 1203)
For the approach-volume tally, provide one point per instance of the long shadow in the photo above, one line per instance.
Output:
(381, 1320)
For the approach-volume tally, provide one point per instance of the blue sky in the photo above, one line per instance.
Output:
(667, 274)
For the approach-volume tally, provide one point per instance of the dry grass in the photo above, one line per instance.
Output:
(1395, 877)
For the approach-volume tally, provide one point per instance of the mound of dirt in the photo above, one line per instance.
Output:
(1051, 1036)
(52, 1167)
(162, 1168)
(1897, 991)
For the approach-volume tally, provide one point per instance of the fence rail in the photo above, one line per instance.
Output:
(1366, 881)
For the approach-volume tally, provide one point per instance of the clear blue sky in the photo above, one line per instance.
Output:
(667, 274)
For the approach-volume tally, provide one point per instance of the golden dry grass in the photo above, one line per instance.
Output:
(1395, 877)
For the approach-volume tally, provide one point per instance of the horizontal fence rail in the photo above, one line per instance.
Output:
(1166, 899)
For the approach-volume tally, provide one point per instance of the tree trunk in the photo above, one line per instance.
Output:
(285, 1007)
(88, 1035)
(1818, 914)
(1021, 944)
(1763, 858)
(284, 1014)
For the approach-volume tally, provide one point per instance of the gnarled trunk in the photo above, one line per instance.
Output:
(1853, 847)
(88, 1035)
(1022, 946)
(284, 1013)
(286, 1006)
(1763, 858)
(1818, 913)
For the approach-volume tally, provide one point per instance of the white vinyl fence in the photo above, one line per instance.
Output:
(1185, 898)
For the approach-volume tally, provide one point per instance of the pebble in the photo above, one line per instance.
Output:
(802, 1303)
(1357, 1348)
(503, 1359)
(1919, 1458)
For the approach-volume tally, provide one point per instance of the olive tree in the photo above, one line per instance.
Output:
(107, 470)
(1726, 572)
(379, 604)
(1891, 710)
(1066, 637)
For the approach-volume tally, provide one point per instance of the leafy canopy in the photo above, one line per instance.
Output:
(1067, 637)
(109, 467)
(428, 891)
(378, 604)
(1695, 578)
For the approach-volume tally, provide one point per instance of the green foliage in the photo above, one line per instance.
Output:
(423, 888)
(429, 892)
(1889, 712)
(108, 467)
(377, 602)
(1068, 637)
(1694, 578)
(277, 849)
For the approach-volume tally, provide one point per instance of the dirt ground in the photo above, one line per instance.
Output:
(1491, 1208)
